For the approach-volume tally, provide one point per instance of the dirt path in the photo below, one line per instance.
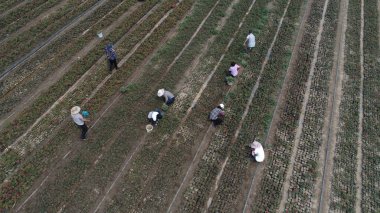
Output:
(359, 160)
(331, 127)
(52, 38)
(289, 172)
(35, 21)
(54, 77)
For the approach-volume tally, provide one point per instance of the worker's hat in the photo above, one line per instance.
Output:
(221, 106)
(75, 110)
(160, 92)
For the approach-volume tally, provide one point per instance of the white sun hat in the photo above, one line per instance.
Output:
(255, 145)
(154, 116)
(75, 110)
(160, 92)
(221, 106)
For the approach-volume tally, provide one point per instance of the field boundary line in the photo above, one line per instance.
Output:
(359, 161)
(53, 37)
(33, 193)
(334, 111)
(13, 8)
(71, 89)
(303, 112)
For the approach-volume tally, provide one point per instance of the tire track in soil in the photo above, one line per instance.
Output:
(82, 80)
(330, 129)
(359, 160)
(289, 172)
(54, 77)
(257, 170)
(109, 191)
(69, 153)
(48, 41)
(34, 21)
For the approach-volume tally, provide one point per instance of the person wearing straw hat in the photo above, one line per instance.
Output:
(166, 95)
(154, 116)
(257, 151)
(111, 55)
(79, 121)
(217, 115)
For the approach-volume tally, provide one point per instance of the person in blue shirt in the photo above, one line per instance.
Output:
(111, 55)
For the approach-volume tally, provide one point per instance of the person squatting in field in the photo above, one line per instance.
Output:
(257, 151)
(166, 95)
(234, 69)
(111, 55)
(154, 116)
(250, 42)
(217, 115)
(79, 121)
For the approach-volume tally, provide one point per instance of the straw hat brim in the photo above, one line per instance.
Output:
(75, 110)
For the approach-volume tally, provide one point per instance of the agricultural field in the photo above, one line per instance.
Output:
(308, 92)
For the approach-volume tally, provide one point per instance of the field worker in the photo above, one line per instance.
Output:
(79, 121)
(166, 95)
(154, 116)
(217, 115)
(111, 55)
(234, 69)
(250, 42)
(257, 151)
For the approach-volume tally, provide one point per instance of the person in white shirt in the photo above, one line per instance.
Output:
(154, 116)
(250, 42)
(79, 121)
(257, 151)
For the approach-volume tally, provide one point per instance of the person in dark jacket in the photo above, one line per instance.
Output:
(154, 116)
(111, 55)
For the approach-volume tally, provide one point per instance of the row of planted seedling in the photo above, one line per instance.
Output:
(289, 114)
(22, 82)
(34, 163)
(20, 44)
(371, 163)
(343, 189)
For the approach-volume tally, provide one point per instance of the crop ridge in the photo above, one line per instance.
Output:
(76, 84)
(42, 45)
(303, 111)
(34, 21)
(54, 77)
(20, 4)
(333, 111)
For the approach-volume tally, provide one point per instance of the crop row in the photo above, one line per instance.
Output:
(158, 166)
(371, 106)
(152, 168)
(55, 60)
(25, 13)
(227, 195)
(9, 159)
(344, 174)
(304, 173)
(278, 158)
(36, 165)
(22, 81)
(19, 45)
(8, 4)
(74, 174)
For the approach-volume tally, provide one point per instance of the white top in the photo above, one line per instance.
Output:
(258, 153)
(78, 119)
(153, 115)
(251, 40)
